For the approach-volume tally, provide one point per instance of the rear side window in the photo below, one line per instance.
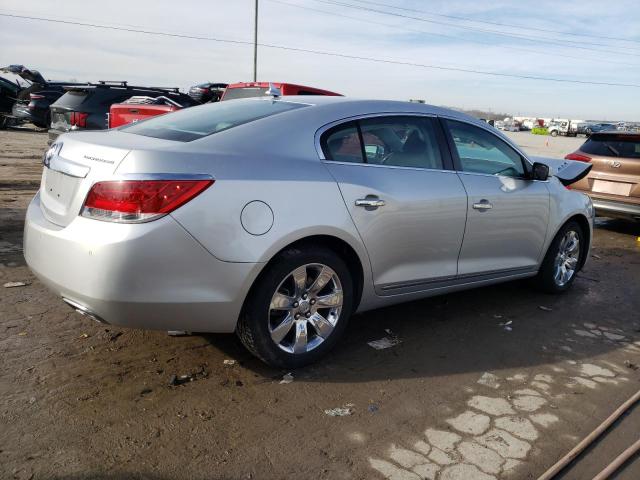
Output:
(342, 144)
(197, 122)
(612, 145)
(394, 141)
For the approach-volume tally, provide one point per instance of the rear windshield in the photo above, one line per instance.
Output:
(612, 145)
(244, 92)
(197, 122)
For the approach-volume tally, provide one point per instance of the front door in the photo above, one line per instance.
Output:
(507, 212)
(405, 199)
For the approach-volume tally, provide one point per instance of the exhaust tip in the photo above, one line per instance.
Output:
(82, 310)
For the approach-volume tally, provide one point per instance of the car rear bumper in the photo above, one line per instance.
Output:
(614, 208)
(152, 275)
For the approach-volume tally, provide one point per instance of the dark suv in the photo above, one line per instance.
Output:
(87, 106)
(207, 92)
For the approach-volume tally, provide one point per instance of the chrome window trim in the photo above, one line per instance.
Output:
(375, 165)
(353, 118)
(495, 175)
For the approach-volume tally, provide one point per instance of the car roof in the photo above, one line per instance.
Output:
(364, 106)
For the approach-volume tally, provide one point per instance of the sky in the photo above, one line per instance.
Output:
(431, 37)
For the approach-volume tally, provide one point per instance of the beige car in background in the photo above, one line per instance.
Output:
(614, 181)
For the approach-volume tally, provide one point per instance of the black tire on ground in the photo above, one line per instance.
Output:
(3, 122)
(253, 324)
(554, 133)
(545, 280)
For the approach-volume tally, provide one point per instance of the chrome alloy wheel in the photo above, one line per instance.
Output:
(305, 308)
(566, 261)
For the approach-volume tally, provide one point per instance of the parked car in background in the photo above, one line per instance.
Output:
(199, 220)
(9, 91)
(135, 109)
(599, 127)
(35, 108)
(16, 86)
(207, 92)
(259, 89)
(565, 128)
(614, 181)
(86, 107)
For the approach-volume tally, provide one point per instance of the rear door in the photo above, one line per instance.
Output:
(507, 213)
(406, 201)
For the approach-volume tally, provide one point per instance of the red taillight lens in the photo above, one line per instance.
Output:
(35, 96)
(78, 119)
(577, 156)
(131, 201)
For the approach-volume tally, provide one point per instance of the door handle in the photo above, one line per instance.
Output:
(482, 205)
(370, 202)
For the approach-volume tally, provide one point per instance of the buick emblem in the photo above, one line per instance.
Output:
(614, 164)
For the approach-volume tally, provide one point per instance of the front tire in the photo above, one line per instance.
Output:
(563, 259)
(299, 307)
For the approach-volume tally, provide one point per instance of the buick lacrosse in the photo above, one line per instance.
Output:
(277, 218)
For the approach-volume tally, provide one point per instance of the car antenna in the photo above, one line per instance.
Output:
(273, 91)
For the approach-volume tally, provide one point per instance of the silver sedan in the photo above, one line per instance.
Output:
(279, 217)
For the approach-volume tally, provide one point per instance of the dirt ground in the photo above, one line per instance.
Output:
(497, 382)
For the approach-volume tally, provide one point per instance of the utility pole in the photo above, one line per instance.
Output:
(255, 45)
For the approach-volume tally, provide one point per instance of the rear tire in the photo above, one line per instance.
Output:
(289, 321)
(563, 260)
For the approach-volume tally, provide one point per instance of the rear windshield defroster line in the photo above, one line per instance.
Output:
(198, 122)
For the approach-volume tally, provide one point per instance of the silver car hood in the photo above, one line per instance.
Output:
(567, 171)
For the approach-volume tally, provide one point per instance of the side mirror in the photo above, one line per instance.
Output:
(540, 172)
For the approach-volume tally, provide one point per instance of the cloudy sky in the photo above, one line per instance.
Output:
(431, 37)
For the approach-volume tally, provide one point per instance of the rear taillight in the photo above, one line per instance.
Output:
(36, 96)
(577, 156)
(78, 119)
(134, 201)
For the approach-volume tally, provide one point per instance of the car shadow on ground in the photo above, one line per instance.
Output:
(618, 225)
(506, 326)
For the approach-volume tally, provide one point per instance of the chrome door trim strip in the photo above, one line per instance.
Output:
(450, 281)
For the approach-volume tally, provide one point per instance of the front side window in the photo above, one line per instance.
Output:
(482, 152)
(395, 141)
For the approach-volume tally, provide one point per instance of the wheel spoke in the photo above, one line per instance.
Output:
(300, 280)
(333, 299)
(572, 262)
(558, 274)
(300, 344)
(573, 246)
(281, 302)
(321, 281)
(321, 324)
(278, 333)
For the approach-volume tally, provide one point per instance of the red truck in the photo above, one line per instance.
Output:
(259, 89)
(135, 109)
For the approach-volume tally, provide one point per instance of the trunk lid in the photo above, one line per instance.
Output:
(71, 168)
(77, 160)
